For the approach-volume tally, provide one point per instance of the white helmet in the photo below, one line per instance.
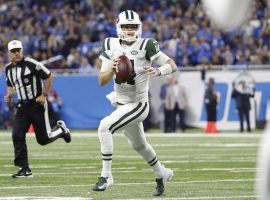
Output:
(128, 17)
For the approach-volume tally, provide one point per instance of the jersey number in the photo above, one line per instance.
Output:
(131, 80)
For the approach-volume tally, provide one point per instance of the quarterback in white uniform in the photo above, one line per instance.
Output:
(130, 98)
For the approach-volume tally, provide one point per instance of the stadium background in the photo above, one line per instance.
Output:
(216, 166)
(72, 32)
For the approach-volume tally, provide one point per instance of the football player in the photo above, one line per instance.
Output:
(131, 98)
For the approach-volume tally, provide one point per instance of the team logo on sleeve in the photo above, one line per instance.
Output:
(156, 46)
(134, 52)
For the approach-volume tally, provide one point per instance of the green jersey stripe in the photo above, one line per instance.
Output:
(103, 46)
(142, 44)
(146, 43)
(108, 44)
(104, 55)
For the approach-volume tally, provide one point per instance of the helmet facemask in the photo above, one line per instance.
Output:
(129, 22)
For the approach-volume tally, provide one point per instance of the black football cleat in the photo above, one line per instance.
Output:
(161, 182)
(103, 183)
(66, 132)
(23, 173)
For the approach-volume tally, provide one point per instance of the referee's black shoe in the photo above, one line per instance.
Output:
(23, 172)
(66, 132)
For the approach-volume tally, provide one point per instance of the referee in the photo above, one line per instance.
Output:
(24, 76)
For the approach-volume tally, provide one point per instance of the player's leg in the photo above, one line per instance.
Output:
(20, 127)
(43, 131)
(241, 119)
(136, 138)
(248, 121)
(118, 119)
(106, 144)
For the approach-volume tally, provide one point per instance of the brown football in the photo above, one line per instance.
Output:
(124, 69)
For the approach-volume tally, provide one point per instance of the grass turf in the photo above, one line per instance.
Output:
(205, 167)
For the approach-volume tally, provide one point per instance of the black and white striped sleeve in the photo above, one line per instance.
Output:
(40, 69)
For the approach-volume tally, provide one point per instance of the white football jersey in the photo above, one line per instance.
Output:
(141, 53)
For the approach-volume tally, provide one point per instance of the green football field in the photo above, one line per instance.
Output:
(220, 166)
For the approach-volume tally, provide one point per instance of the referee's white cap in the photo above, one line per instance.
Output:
(15, 44)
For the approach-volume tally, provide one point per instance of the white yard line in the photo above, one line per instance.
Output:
(130, 184)
(133, 170)
(228, 145)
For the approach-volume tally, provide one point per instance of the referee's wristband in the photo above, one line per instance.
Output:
(164, 70)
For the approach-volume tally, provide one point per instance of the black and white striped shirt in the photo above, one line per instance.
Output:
(26, 78)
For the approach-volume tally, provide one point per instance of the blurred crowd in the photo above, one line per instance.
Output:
(75, 29)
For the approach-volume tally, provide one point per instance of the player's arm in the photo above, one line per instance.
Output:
(107, 67)
(105, 77)
(167, 65)
(107, 71)
(168, 68)
(47, 85)
(10, 92)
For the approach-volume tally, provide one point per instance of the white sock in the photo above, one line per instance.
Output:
(106, 144)
(149, 156)
(158, 168)
(107, 168)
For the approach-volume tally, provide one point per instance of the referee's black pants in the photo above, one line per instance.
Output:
(27, 114)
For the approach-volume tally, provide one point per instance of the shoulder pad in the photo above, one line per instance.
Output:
(152, 48)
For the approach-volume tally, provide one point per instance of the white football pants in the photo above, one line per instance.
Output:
(126, 117)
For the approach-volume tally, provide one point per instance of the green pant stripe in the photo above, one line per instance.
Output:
(133, 118)
(125, 116)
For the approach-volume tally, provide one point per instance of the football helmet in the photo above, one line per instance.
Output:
(129, 17)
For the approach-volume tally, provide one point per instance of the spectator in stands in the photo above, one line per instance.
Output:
(242, 99)
(211, 102)
(217, 58)
(164, 108)
(169, 108)
(58, 29)
(178, 94)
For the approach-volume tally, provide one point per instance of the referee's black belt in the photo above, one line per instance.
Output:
(27, 102)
